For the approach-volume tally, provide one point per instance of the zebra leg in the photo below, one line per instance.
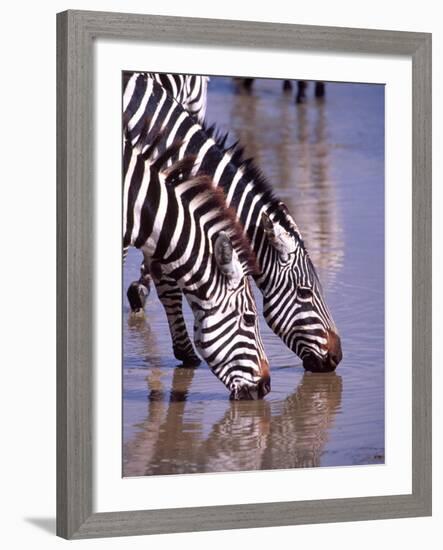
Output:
(301, 91)
(319, 89)
(247, 83)
(171, 298)
(287, 85)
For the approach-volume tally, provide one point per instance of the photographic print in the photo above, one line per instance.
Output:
(253, 274)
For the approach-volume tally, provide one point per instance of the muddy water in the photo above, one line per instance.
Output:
(326, 161)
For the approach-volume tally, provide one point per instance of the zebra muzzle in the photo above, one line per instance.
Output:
(247, 392)
(328, 363)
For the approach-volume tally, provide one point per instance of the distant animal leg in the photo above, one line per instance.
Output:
(319, 89)
(287, 85)
(247, 83)
(301, 91)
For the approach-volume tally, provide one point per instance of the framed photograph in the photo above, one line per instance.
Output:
(262, 354)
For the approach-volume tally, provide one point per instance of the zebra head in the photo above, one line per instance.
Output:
(226, 330)
(293, 302)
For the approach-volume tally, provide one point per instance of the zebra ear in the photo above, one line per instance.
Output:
(280, 239)
(268, 226)
(226, 257)
(282, 206)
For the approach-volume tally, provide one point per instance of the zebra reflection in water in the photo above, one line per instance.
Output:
(254, 435)
(163, 435)
(288, 434)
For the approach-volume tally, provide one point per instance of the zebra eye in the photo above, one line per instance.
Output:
(304, 294)
(249, 319)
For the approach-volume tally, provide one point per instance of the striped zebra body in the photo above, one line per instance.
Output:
(293, 303)
(189, 90)
(187, 234)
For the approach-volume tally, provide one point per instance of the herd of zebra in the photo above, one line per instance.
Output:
(207, 222)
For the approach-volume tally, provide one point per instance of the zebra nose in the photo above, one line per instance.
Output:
(334, 347)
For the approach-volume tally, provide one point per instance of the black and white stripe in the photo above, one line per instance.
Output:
(189, 90)
(293, 302)
(190, 239)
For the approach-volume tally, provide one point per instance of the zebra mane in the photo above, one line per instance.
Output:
(177, 172)
(252, 172)
(237, 152)
(215, 201)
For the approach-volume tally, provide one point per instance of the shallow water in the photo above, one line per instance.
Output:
(326, 161)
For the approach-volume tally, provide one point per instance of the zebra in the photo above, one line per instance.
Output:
(191, 92)
(185, 232)
(293, 302)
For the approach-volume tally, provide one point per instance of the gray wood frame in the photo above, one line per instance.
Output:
(76, 31)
